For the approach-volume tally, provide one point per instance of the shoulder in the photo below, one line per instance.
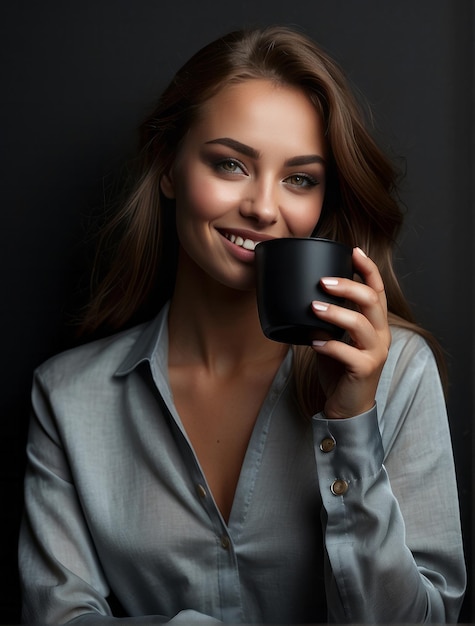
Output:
(97, 360)
(406, 344)
(410, 379)
(410, 398)
(410, 356)
(410, 368)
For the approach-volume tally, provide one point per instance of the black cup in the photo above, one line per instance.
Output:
(288, 279)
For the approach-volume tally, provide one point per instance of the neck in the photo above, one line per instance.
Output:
(216, 326)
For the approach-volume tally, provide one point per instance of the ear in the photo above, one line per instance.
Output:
(167, 186)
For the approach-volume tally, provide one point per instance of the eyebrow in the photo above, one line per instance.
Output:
(242, 148)
(238, 146)
(305, 160)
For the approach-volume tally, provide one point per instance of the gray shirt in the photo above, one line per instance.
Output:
(352, 520)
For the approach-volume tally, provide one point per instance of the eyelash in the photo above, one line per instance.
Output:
(220, 165)
(309, 181)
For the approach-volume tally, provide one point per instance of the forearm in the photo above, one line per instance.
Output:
(373, 574)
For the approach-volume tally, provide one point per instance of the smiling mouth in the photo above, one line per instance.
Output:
(247, 244)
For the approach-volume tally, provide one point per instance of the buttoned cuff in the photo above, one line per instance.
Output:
(347, 449)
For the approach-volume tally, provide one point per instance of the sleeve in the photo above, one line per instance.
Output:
(60, 571)
(391, 513)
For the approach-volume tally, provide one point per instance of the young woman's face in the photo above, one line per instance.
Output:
(251, 168)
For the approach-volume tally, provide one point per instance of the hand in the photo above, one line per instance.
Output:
(350, 372)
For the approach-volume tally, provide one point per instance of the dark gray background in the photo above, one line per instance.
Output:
(77, 78)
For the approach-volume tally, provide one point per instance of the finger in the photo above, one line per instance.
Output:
(359, 364)
(370, 303)
(369, 271)
(359, 327)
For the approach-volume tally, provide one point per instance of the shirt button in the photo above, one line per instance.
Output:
(201, 491)
(327, 444)
(339, 487)
(225, 543)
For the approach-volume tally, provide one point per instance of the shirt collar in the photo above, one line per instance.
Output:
(152, 347)
(153, 337)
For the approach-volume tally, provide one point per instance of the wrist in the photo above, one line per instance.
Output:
(331, 413)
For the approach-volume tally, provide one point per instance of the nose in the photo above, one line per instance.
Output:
(260, 203)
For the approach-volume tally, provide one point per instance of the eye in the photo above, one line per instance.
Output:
(230, 166)
(301, 180)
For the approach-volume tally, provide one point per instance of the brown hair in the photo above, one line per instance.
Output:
(360, 205)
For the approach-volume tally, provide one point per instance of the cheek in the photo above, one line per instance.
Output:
(203, 199)
(304, 216)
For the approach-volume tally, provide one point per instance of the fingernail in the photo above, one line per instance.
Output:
(329, 282)
(319, 306)
(361, 252)
(318, 343)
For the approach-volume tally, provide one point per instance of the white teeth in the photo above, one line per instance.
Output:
(248, 244)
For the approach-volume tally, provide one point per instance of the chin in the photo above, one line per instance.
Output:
(241, 284)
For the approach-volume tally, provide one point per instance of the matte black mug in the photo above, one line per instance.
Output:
(288, 273)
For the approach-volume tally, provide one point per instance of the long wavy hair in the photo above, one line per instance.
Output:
(138, 245)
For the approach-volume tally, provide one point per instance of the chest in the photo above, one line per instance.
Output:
(165, 531)
(219, 416)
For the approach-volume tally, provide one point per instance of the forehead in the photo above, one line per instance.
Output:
(259, 109)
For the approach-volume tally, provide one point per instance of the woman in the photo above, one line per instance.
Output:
(189, 469)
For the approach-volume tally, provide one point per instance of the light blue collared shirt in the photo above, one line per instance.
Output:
(352, 520)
